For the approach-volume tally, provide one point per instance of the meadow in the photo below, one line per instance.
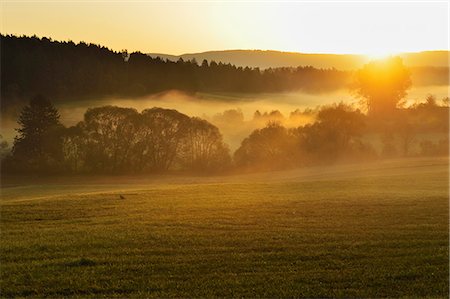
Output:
(367, 230)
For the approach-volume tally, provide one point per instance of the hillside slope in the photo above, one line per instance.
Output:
(267, 59)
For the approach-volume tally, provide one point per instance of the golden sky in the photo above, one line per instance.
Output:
(177, 27)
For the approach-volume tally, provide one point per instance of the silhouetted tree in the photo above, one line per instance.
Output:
(203, 148)
(272, 147)
(382, 84)
(335, 134)
(75, 148)
(162, 133)
(38, 145)
(110, 135)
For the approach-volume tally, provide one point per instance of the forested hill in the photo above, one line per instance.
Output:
(32, 65)
(61, 70)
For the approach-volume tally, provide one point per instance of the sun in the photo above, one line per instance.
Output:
(379, 54)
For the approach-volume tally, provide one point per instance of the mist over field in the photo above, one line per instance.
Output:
(210, 106)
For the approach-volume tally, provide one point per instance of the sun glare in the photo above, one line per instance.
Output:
(379, 54)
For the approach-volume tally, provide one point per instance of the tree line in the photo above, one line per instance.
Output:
(32, 65)
(117, 140)
(61, 70)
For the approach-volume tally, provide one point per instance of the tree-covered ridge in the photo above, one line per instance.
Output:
(32, 65)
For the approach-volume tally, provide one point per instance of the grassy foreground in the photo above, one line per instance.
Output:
(374, 231)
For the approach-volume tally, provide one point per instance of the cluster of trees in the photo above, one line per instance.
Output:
(421, 129)
(382, 86)
(342, 133)
(115, 140)
(335, 135)
(31, 65)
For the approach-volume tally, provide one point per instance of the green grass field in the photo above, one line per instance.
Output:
(375, 230)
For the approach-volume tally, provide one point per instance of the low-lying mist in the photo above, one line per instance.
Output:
(234, 114)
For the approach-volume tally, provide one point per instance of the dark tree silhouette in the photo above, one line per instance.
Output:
(203, 148)
(110, 136)
(335, 134)
(162, 134)
(38, 145)
(75, 148)
(272, 147)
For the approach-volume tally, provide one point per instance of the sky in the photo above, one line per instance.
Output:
(178, 27)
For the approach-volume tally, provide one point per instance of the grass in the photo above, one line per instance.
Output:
(353, 231)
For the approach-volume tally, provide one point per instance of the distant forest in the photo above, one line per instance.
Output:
(32, 65)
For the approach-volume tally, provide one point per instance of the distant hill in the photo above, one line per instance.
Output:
(273, 59)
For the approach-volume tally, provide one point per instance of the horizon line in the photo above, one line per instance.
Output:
(222, 50)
